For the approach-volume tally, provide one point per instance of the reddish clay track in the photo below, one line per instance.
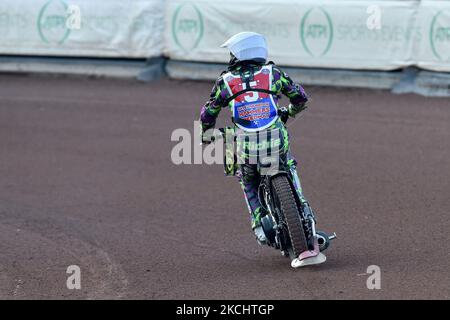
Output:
(86, 179)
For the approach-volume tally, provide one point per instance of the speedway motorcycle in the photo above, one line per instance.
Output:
(288, 224)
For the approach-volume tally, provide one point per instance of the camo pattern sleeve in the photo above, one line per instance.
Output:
(294, 91)
(217, 100)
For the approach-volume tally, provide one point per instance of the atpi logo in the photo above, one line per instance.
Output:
(187, 26)
(440, 35)
(316, 32)
(51, 22)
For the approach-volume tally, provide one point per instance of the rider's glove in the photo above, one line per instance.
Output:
(206, 135)
(205, 139)
(295, 109)
(283, 112)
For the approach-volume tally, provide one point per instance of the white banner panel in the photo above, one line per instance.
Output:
(300, 33)
(432, 51)
(378, 35)
(95, 28)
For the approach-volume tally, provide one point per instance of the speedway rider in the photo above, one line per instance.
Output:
(248, 69)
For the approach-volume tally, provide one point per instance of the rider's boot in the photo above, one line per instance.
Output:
(309, 257)
(257, 228)
(314, 256)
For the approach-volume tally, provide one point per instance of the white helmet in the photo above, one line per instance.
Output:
(247, 46)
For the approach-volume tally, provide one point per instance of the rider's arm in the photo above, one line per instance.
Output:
(294, 91)
(210, 111)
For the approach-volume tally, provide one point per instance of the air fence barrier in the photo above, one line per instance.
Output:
(319, 37)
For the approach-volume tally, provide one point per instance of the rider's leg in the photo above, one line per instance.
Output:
(249, 180)
(292, 163)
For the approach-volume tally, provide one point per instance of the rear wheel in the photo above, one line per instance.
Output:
(288, 210)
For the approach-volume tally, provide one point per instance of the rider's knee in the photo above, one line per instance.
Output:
(249, 174)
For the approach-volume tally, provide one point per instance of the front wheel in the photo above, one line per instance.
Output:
(289, 216)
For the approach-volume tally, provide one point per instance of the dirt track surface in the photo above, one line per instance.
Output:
(87, 180)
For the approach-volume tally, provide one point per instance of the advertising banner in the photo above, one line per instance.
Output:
(94, 28)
